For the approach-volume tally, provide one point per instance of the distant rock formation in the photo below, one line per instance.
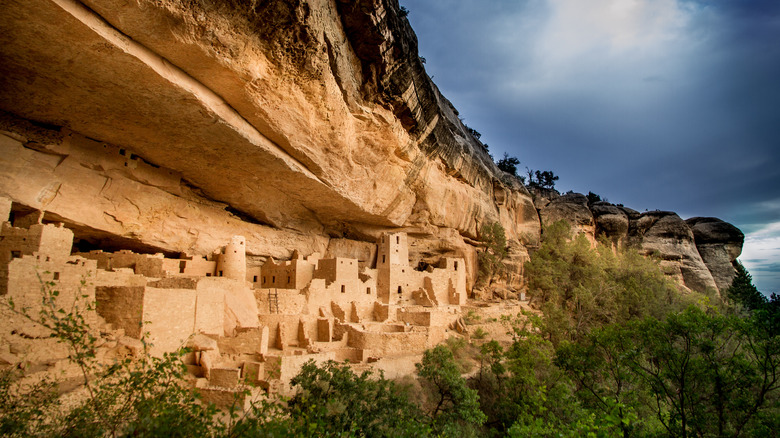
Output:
(699, 253)
(719, 244)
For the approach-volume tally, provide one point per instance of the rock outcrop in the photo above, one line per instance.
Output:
(719, 244)
(699, 253)
(167, 126)
(302, 125)
(572, 207)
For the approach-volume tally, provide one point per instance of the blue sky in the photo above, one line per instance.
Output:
(655, 104)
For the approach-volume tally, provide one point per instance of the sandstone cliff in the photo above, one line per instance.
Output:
(699, 253)
(305, 125)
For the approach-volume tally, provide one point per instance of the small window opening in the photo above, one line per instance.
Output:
(263, 278)
(133, 156)
(383, 258)
(182, 266)
(397, 239)
(56, 275)
(121, 152)
(254, 279)
(220, 273)
(399, 289)
(288, 279)
(368, 291)
(15, 254)
(273, 279)
(456, 266)
(48, 258)
(343, 289)
(208, 274)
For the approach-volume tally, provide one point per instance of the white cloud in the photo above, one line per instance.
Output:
(577, 27)
(761, 254)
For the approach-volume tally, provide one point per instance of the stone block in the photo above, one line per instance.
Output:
(263, 350)
(254, 372)
(225, 377)
(324, 330)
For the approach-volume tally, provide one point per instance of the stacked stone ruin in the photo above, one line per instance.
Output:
(337, 308)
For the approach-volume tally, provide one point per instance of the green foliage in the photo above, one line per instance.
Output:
(508, 164)
(743, 292)
(479, 333)
(543, 179)
(471, 317)
(490, 260)
(691, 373)
(579, 287)
(143, 397)
(454, 407)
(334, 401)
(593, 198)
(25, 409)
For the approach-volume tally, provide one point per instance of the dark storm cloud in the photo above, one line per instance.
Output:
(656, 104)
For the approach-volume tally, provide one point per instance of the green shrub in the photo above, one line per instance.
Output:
(491, 258)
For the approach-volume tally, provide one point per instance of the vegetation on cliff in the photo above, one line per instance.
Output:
(617, 350)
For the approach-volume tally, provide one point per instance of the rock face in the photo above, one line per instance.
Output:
(303, 125)
(611, 220)
(572, 207)
(698, 253)
(667, 236)
(167, 126)
(719, 244)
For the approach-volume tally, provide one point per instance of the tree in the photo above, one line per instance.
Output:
(147, 396)
(743, 292)
(580, 288)
(546, 179)
(508, 164)
(593, 198)
(474, 133)
(490, 260)
(332, 400)
(452, 404)
(542, 179)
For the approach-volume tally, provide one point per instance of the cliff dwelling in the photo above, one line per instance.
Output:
(259, 324)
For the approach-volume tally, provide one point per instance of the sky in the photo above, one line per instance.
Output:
(654, 104)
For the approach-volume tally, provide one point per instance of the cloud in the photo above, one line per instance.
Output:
(761, 256)
(656, 104)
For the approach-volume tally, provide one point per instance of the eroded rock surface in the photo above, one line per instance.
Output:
(698, 253)
(572, 207)
(287, 122)
(303, 125)
(719, 244)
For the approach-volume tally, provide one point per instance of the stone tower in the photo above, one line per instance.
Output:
(232, 264)
(392, 263)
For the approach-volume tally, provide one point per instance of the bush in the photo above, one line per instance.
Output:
(147, 396)
(490, 260)
(454, 407)
(508, 164)
(580, 288)
(332, 400)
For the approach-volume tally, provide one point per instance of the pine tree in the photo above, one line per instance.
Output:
(743, 292)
